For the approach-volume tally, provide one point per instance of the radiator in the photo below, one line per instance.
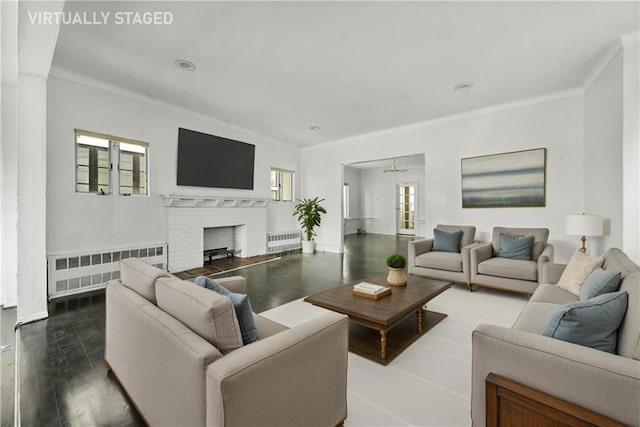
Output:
(80, 272)
(286, 241)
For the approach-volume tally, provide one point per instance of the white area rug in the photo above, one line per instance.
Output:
(429, 384)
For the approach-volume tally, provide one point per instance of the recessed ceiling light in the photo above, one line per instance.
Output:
(184, 64)
(315, 128)
(462, 87)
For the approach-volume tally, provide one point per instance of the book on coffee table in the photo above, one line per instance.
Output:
(370, 290)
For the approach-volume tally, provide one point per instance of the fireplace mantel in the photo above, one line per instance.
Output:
(193, 201)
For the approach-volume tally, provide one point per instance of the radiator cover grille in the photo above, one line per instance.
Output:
(80, 272)
(286, 241)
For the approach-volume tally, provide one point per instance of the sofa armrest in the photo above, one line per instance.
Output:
(150, 350)
(545, 256)
(477, 254)
(293, 378)
(551, 272)
(602, 382)
(466, 257)
(416, 248)
(237, 284)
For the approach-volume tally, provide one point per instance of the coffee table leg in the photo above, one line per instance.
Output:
(419, 318)
(383, 345)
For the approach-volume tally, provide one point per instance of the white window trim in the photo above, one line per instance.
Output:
(114, 162)
(278, 189)
(345, 201)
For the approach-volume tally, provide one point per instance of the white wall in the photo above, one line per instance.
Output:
(378, 199)
(603, 154)
(78, 222)
(352, 177)
(631, 146)
(555, 124)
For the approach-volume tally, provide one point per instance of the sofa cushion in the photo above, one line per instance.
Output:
(140, 277)
(577, 270)
(547, 292)
(516, 247)
(206, 313)
(440, 261)
(509, 268)
(600, 282)
(593, 323)
(267, 327)
(540, 237)
(241, 306)
(468, 232)
(446, 242)
(535, 317)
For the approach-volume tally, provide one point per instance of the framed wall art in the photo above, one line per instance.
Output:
(515, 179)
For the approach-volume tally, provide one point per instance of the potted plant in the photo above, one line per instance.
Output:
(396, 264)
(308, 212)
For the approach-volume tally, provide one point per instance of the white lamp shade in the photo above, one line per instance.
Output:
(584, 225)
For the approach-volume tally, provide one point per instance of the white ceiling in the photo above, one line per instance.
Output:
(279, 68)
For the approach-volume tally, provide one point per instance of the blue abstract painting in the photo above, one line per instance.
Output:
(515, 179)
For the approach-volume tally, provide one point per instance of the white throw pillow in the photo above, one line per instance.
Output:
(577, 270)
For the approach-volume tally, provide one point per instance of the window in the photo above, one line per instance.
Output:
(133, 169)
(281, 185)
(92, 164)
(98, 155)
(345, 201)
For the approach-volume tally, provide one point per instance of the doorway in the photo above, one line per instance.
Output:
(406, 203)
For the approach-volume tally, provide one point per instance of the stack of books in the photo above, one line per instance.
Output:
(370, 290)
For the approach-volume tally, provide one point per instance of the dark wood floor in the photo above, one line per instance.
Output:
(63, 378)
(7, 365)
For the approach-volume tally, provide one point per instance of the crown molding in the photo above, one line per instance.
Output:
(82, 80)
(630, 38)
(564, 94)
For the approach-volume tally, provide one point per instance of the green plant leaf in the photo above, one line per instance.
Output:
(308, 213)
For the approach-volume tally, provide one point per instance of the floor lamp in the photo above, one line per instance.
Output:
(584, 225)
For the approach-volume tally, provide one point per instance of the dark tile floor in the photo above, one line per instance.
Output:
(63, 376)
(7, 365)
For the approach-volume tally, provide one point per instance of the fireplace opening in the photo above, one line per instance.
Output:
(221, 242)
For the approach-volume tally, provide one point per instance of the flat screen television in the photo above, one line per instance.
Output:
(212, 161)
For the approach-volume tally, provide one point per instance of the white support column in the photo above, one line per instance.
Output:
(32, 202)
(9, 214)
(36, 44)
(9, 157)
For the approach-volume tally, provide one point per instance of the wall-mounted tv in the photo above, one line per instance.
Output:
(212, 161)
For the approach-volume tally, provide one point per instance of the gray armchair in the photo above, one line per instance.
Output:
(451, 266)
(490, 270)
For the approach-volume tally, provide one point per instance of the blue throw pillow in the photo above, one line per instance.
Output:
(446, 242)
(593, 323)
(241, 306)
(516, 247)
(600, 282)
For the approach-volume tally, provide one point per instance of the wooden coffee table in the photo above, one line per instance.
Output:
(372, 320)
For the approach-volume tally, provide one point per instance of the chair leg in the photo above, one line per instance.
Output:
(470, 286)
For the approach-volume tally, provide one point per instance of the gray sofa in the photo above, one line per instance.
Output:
(176, 376)
(487, 269)
(450, 266)
(606, 383)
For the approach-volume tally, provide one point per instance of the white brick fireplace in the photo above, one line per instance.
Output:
(189, 216)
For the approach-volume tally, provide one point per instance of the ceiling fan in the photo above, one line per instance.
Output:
(395, 169)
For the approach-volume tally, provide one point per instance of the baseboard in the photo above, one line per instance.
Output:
(33, 317)
(327, 248)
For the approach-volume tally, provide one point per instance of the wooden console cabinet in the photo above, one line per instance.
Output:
(513, 404)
